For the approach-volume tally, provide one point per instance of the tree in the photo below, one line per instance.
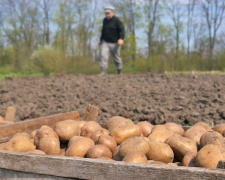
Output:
(213, 12)
(23, 27)
(1, 38)
(87, 13)
(65, 21)
(151, 8)
(190, 10)
(75, 26)
(47, 7)
(176, 12)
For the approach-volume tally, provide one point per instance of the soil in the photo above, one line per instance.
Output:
(157, 98)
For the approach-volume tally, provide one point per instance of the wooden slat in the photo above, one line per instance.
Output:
(7, 131)
(6, 174)
(5, 122)
(2, 145)
(1, 118)
(84, 168)
(91, 113)
(10, 114)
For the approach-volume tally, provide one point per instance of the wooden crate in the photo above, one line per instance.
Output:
(21, 165)
(7, 131)
(9, 116)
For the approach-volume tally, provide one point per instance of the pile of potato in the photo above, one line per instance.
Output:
(122, 140)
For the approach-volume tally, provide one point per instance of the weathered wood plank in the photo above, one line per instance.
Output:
(10, 114)
(7, 131)
(2, 145)
(5, 123)
(1, 118)
(6, 174)
(91, 113)
(84, 168)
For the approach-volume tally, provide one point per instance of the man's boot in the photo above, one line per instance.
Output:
(104, 72)
(119, 71)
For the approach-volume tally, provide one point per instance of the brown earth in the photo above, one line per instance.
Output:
(156, 98)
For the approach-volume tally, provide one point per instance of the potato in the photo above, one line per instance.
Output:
(175, 135)
(222, 152)
(219, 128)
(209, 156)
(134, 144)
(95, 135)
(80, 147)
(19, 144)
(118, 121)
(33, 133)
(159, 127)
(80, 124)
(125, 132)
(156, 162)
(181, 146)
(22, 134)
(73, 139)
(44, 131)
(105, 131)
(175, 128)
(135, 157)
(189, 159)
(114, 120)
(160, 135)
(146, 128)
(99, 151)
(204, 125)
(2, 146)
(36, 152)
(212, 137)
(66, 130)
(50, 145)
(108, 141)
(159, 151)
(89, 128)
(195, 133)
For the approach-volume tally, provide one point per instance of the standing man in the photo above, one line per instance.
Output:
(112, 37)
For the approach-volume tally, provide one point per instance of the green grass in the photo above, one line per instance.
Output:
(86, 67)
(2, 76)
(8, 71)
(195, 72)
(112, 70)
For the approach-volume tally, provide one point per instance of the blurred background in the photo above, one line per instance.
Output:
(61, 36)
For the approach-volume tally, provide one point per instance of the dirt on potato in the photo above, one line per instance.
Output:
(156, 98)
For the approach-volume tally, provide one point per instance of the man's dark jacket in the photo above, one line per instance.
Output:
(112, 30)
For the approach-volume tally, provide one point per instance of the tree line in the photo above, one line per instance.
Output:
(62, 35)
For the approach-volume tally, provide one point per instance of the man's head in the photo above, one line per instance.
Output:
(109, 12)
